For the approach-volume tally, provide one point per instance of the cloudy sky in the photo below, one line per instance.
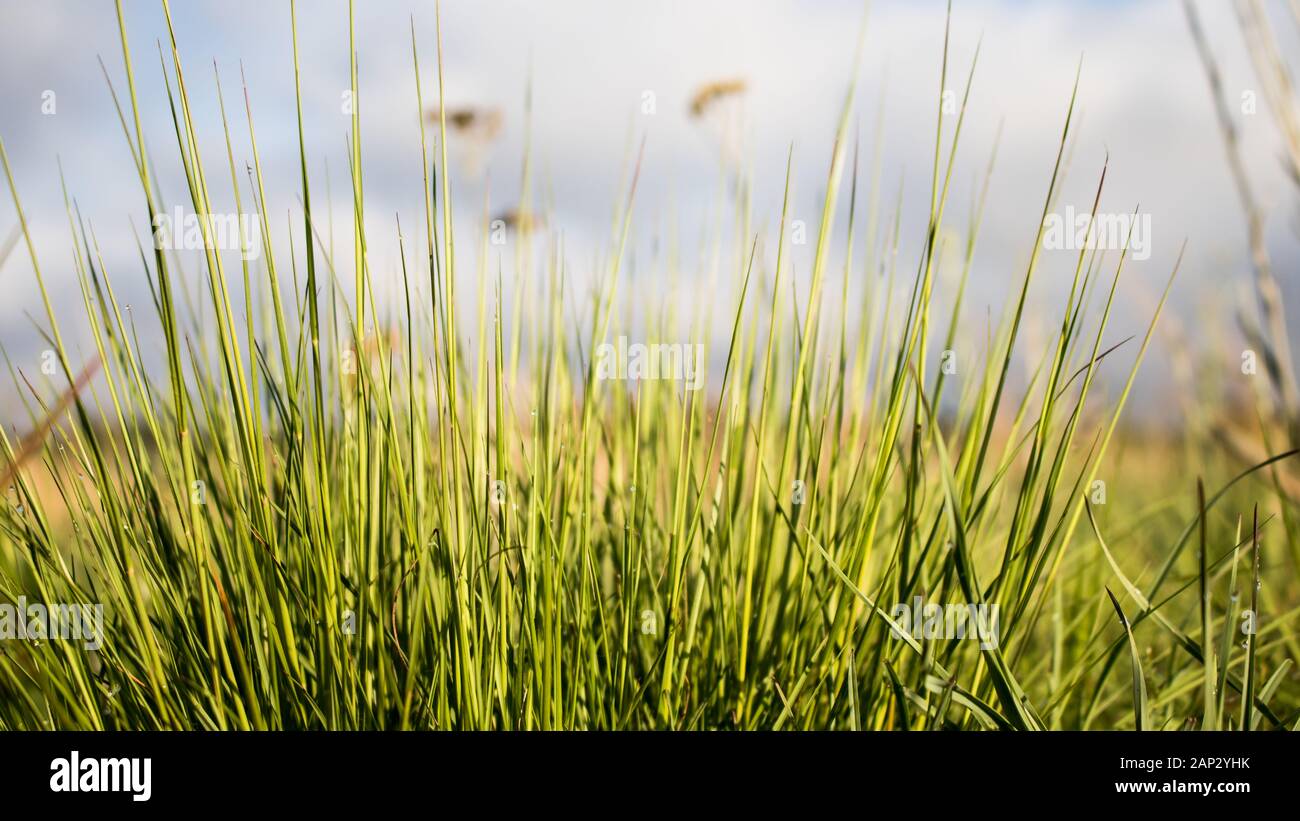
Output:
(594, 63)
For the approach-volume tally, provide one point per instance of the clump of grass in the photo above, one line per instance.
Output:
(425, 534)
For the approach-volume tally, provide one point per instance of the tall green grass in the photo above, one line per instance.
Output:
(302, 519)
